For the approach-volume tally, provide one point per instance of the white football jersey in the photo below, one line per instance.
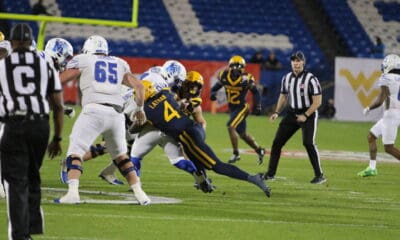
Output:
(392, 81)
(101, 78)
(157, 76)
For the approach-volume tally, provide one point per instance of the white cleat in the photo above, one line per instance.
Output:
(68, 198)
(111, 179)
(142, 197)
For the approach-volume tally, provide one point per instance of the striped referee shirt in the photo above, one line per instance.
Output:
(26, 80)
(300, 89)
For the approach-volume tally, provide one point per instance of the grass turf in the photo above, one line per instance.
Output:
(346, 207)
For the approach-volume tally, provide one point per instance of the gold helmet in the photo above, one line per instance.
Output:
(1, 36)
(149, 89)
(192, 85)
(237, 62)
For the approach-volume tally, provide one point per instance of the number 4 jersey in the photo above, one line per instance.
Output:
(101, 77)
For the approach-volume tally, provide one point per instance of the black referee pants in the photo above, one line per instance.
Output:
(289, 126)
(23, 147)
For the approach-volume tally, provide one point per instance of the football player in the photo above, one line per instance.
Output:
(387, 126)
(165, 113)
(100, 79)
(237, 82)
(149, 137)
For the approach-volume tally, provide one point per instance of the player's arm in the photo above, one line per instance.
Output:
(138, 114)
(198, 116)
(381, 98)
(256, 93)
(69, 75)
(215, 88)
(316, 103)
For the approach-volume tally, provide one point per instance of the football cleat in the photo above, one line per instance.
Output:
(111, 179)
(258, 180)
(69, 111)
(205, 186)
(260, 152)
(234, 158)
(368, 172)
(142, 197)
(318, 180)
(63, 171)
(69, 198)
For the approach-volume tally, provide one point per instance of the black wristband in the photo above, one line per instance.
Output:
(305, 114)
(277, 113)
(57, 139)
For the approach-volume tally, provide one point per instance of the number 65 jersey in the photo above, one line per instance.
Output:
(101, 77)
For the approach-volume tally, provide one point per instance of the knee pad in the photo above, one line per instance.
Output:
(121, 164)
(97, 150)
(137, 164)
(70, 165)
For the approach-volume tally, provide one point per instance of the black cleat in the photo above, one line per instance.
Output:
(260, 152)
(258, 180)
(269, 178)
(234, 158)
(205, 186)
(318, 180)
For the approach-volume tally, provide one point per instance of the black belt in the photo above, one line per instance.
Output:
(298, 111)
(29, 117)
(117, 108)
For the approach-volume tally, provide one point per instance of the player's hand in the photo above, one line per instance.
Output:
(301, 118)
(213, 97)
(366, 111)
(138, 118)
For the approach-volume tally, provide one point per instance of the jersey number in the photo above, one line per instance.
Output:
(232, 96)
(170, 112)
(105, 71)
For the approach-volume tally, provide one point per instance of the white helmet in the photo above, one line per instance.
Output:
(176, 72)
(391, 61)
(60, 50)
(95, 44)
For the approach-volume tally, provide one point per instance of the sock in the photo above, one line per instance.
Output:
(186, 165)
(230, 171)
(73, 185)
(236, 152)
(136, 187)
(372, 164)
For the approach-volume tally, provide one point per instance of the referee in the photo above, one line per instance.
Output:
(29, 85)
(302, 91)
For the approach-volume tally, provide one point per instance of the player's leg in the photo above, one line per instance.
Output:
(198, 150)
(2, 192)
(389, 133)
(236, 117)
(241, 130)
(374, 133)
(145, 141)
(115, 139)
(86, 129)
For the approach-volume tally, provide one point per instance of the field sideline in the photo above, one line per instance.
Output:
(346, 207)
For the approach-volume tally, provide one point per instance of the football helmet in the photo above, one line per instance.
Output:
(149, 89)
(237, 62)
(95, 44)
(2, 36)
(390, 62)
(60, 50)
(176, 72)
(193, 84)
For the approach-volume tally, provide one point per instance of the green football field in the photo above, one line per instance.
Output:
(346, 207)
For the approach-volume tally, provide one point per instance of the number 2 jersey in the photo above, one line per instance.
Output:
(236, 89)
(101, 78)
(392, 81)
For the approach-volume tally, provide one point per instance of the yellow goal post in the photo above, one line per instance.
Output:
(44, 19)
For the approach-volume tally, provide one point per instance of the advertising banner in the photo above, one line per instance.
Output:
(356, 88)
